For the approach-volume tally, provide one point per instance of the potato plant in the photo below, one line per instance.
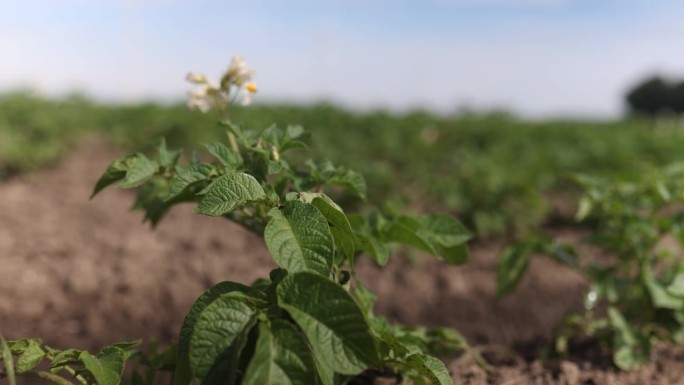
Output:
(636, 293)
(23, 357)
(310, 321)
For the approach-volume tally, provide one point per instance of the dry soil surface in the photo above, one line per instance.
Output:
(83, 273)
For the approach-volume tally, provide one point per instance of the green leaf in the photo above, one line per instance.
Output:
(449, 341)
(662, 190)
(352, 181)
(167, 159)
(584, 209)
(619, 324)
(149, 200)
(65, 357)
(676, 288)
(397, 348)
(605, 283)
(430, 367)
(456, 255)
(139, 169)
(244, 136)
(659, 295)
(299, 238)
(230, 365)
(376, 249)
(229, 158)
(127, 345)
(564, 254)
(368, 240)
(202, 302)
(445, 230)
(19, 346)
(439, 235)
(182, 375)
(365, 298)
(229, 192)
(282, 357)
(276, 167)
(107, 367)
(281, 141)
(30, 357)
(341, 230)
(332, 321)
(630, 350)
(295, 131)
(408, 230)
(216, 337)
(510, 267)
(294, 136)
(629, 357)
(190, 176)
(325, 373)
(114, 173)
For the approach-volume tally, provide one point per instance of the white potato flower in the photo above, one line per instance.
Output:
(238, 71)
(196, 78)
(235, 82)
(247, 91)
(199, 99)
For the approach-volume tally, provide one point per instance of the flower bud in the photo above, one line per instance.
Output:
(196, 78)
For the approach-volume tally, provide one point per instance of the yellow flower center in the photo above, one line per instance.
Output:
(251, 88)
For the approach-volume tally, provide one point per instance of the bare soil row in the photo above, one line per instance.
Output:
(80, 273)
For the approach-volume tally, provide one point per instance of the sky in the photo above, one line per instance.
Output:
(535, 58)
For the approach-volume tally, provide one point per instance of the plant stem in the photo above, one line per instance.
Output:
(47, 376)
(231, 137)
(7, 360)
(76, 376)
(233, 142)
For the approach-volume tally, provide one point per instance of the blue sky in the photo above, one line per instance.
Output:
(538, 58)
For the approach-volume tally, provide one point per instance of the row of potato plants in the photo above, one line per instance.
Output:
(494, 169)
(635, 297)
(311, 321)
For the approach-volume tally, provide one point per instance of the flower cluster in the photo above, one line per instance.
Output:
(235, 82)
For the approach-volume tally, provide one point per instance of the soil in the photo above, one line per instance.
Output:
(84, 273)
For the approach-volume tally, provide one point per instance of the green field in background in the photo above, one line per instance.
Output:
(494, 171)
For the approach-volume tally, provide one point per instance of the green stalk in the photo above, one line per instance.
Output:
(76, 376)
(233, 142)
(47, 376)
(7, 360)
(223, 110)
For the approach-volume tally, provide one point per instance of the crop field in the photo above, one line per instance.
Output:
(336, 247)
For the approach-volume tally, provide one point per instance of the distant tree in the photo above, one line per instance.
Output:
(650, 97)
(677, 98)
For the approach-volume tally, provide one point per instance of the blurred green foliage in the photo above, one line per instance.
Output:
(493, 170)
(36, 132)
